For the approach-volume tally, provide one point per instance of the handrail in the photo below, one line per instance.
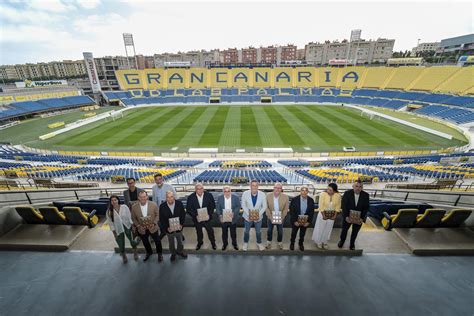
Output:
(31, 196)
(429, 186)
(409, 195)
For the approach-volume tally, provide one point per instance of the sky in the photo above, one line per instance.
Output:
(47, 30)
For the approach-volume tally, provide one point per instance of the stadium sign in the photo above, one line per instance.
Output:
(259, 77)
(92, 72)
(177, 64)
(41, 83)
(334, 62)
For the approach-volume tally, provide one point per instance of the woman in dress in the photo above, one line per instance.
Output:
(330, 200)
(120, 223)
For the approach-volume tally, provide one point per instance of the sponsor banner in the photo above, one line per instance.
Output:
(92, 72)
(40, 83)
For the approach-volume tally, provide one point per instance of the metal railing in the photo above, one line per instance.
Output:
(464, 199)
(456, 199)
(429, 186)
(19, 197)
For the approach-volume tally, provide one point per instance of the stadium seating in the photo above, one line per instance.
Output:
(376, 77)
(402, 78)
(430, 219)
(434, 171)
(227, 176)
(46, 171)
(52, 216)
(455, 218)
(75, 216)
(240, 163)
(30, 107)
(140, 162)
(294, 163)
(349, 175)
(141, 174)
(459, 83)
(387, 87)
(390, 99)
(405, 218)
(432, 77)
(30, 215)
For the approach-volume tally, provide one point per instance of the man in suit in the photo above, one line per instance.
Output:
(158, 194)
(356, 200)
(202, 199)
(145, 217)
(228, 201)
(169, 209)
(277, 203)
(300, 205)
(131, 194)
(253, 199)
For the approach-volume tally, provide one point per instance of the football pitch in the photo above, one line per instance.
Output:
(305, 128)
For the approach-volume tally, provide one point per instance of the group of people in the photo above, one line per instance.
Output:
(164, 216)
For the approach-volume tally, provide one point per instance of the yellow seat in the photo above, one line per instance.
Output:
(29, 214)
(405, 218)
(52, 215)
(431, 218)
(455, 218)
(75, 216)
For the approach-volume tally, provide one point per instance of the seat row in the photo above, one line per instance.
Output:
(69, 215)
(227, 176)
(431, 218)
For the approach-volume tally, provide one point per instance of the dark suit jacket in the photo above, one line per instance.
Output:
(295, 209)
(235, 204)
(165, 214)
(348, 203)
(193, 204)
(126, 197)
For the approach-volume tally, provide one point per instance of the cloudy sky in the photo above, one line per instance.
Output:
(46, 30)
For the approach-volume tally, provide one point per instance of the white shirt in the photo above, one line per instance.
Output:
(144, 209)
(200, 198)
(171, 206)
(276, 205)
(121, 219)
(356, 198)
(228, 203)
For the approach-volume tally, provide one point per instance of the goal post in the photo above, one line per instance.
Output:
(370, 116)
(114, 116)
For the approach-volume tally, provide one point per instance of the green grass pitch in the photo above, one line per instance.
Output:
(305, 128)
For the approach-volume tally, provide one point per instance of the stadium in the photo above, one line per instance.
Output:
(403, 131)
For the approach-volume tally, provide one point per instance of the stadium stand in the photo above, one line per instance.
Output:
(432, 77)
(12, 153)
(376, 78)
(459, 83)
(240, 164)
(239, 176)
(435, 171)
(294, 163)
(24, 108)
(142, 175)
(387, 87)
(390, 99)
(402, 77)
(45, 171)
(430, 218)
(349, 175)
